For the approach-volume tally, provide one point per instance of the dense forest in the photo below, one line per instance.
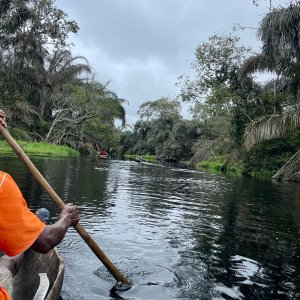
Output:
(237, 121)
(51, 95)
(47, 93)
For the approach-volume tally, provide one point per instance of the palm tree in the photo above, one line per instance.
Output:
(56, 72)
(279, 33)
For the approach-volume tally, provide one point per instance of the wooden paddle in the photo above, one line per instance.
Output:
(56, 199)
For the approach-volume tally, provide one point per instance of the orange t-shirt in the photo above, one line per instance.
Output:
(19, 227)
(3, 294)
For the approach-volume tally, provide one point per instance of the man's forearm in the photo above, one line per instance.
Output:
(51, 236)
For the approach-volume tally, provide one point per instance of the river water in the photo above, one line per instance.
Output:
(176, 233)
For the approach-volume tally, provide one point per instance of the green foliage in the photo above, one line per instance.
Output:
(44, 23)
(127, 140)
(159, 109)
(39, 148)
(20, 134)
(270, 156)
(161, 132)
(229, 104)
(104, 135)
(270, 127)
(221, 163)
(280, 54)
(279, 33)
(223, 102)
(216, 65)
(44, 89)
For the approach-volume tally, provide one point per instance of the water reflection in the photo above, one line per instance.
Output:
(176, 233)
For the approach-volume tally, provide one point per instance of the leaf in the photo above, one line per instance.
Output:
(269, 127)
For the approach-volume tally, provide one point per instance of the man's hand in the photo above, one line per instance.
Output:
(2, 119)
(71, 213)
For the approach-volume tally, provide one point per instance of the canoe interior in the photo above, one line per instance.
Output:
(26, 282)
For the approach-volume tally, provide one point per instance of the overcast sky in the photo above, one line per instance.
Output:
(142, 46)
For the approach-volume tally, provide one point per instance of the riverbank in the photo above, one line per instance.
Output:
(40, 148)
(217, 164)
(225, 164)
(221, 163)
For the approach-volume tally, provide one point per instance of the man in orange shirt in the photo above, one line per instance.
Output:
(21, 229)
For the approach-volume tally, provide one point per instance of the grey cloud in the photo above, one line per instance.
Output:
(144, 45)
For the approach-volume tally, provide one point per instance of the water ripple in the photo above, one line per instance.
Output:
(176, 233)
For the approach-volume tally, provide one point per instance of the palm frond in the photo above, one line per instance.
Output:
(279, 31)
(23, 112)
(286, 84)
(68, 75)
(122, 116)
(269, 127)
(254, 64)
(69, 62)
(263, 62)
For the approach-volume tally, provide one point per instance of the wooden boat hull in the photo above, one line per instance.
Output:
(27, 281)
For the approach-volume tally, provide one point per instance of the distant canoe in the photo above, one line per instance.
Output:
(102, 154)
(139, 159)
(40, 276)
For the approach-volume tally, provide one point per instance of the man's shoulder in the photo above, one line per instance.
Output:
(6, 181)
(3, 175)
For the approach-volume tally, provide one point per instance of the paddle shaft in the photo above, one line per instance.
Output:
(57, 200)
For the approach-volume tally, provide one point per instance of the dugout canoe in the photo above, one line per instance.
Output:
(139, 159)
(40, 276)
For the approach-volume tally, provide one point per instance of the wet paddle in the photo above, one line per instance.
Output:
(56, 199)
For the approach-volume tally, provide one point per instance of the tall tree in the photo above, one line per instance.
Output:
(279, 33)
(45, 90)
(86, 113)
(30, 32)
(217, 91)
(216, 64)
(163, 107)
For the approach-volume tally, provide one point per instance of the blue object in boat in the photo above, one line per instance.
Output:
(43, 214)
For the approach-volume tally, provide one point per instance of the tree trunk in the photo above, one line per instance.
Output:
(291, 167)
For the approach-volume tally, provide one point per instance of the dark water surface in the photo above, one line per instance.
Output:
(176, 233)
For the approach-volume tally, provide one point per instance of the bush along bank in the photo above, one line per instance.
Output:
(263, 160)
(40, 148)
(221, 163)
